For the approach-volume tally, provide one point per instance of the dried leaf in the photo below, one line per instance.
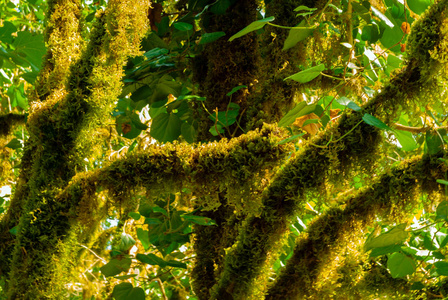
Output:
(125, 128)
(403, 47)
(312, 128)
(406, 27)
(334, 113)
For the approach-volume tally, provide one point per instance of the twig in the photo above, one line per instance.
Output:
(161, 287)
(96, 255)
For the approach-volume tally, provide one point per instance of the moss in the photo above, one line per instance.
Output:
(209, 245)
(286, 194)
(224, 65)
(64, 42)
(59, 132)
(391, 195)
(428, 37)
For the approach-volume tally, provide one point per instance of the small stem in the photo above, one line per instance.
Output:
(287, 27)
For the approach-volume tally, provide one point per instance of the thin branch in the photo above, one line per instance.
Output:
(94, 254)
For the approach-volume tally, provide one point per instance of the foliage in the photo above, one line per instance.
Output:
(135, 162)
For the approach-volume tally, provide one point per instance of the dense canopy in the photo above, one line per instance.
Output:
(223, 149)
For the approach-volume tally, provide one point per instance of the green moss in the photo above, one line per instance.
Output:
(59, 131)
(392, 196)
(224, 65)
(428, 35)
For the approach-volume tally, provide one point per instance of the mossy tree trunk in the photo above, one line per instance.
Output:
(75, 91)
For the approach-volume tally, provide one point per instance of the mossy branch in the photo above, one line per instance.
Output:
(206, 168)
(285, 196)
(60, 137)
(390, 195)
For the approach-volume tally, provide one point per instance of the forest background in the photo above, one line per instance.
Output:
(223, 149)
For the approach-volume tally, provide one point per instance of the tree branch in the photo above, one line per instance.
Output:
(391, 194)
(285, 196)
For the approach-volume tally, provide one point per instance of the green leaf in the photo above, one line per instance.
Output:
(199, 220)
(32, 46)
(153, 53)
(418, 6)
(142, 93)
(162, 87)
(363, 12)
(308, 74)
(442, 244)
(124, 277)
(382, 17)
(134, 215)
(394, 61)
(441, 181)
(395, 236)
(385, 250)
(371, 33)
(126, 242)
(189, 132)
(133, 133)
(176, 264)
(210, 37)
(371, 120)
(30, 77)
(251, 27)
(143, 236)
(225, 118)
(291, 138)
(297, 34)
(406, 140)
(400, 265)
(6, 32)
(299, 110)
(303, 7)
(216, 129)
(348, 103)
(14, 144)
(416, 286)
(151, 259)
(158, 209)
(183, 26)
(192, 97)
(442, 268)
(116, 266)
(442, 209)
(433, 143)
(220, 7)
(235, 89)
(310, 121)
(14, 230)
(125, 291)
(391, 38)
(166, 127)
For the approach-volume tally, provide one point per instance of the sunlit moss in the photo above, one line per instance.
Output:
(60, 135)
(392, 195)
